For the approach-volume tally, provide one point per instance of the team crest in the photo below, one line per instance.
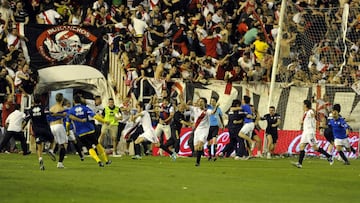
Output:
(65, 44)
(78, 110)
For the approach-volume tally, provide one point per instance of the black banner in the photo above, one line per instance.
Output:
(50, 45)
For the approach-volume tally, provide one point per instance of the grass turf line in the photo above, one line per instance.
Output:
(158, 179)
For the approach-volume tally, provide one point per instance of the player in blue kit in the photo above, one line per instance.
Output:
(85, 130)
(249, 125)
(70, 133)
(340, 131)
(216, 121)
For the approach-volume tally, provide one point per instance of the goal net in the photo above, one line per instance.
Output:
(318, 49)
(318, 45)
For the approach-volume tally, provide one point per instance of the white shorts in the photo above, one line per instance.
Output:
(150, 136)
(71, 136)
(342, 142)
(248, 128)
(160, 128)
(308, 138)
(58, 130)
(200, 135)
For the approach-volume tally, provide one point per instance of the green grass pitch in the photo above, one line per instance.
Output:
(159, 179)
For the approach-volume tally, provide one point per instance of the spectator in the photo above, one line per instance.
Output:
(49, 17)
(168, 22)
(249, 37)
(207, 8)
(210, 43)
(100, 3)
(89, 19)
(177, 32)
(140, 26)
(20, 15)
(260, 46)
(6, 84)
(14, 39)
(6, 13)
(245, 62)
(142, 14)
(20, 75)
(209, 69)
(156, 32)
(218, 16)
(75, 18)
(103, 18)
(8, 106)
(354, 58)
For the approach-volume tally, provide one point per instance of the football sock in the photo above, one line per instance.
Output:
(215, 149)
(94, 155)
(301, 157)
(198, 156)
(137, 149)
(61, 153)
(101, 152)
(78, 149)
(209, 150)
(322, 151)
(352, 150)
(343, 156)
(162, 146)
(145, 146)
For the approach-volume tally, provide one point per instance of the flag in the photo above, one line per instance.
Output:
(50, 45)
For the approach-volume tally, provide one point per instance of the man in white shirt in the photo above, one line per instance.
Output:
(140, 26)
(308, 135)
(49, 17)
(218, 16)
(143, 117)
(99, 3)
(201, 126)
(14, 124)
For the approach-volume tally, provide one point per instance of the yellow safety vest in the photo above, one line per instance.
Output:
(110, 115)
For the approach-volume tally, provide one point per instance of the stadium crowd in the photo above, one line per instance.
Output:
(196, 40)
(200, 40)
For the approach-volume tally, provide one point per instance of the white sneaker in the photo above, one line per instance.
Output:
(60, 165)
(296, 164)
(258, 155)
(237, 158)
(173, 156)
(116, 154)
(138, 157)
(268, 155)
(221, 155)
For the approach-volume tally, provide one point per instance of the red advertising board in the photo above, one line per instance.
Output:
(288, 142)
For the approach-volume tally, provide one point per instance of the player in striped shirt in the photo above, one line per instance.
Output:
(308, 135)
